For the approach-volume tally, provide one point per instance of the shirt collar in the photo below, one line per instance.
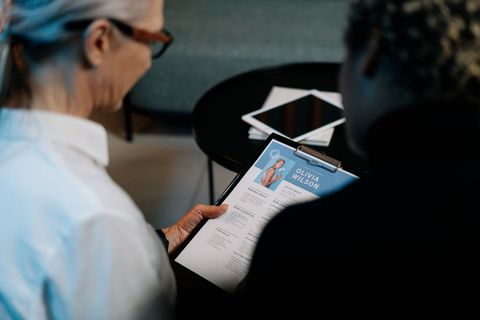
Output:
(86, 136)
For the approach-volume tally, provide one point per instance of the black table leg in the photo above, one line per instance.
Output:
(127, 118)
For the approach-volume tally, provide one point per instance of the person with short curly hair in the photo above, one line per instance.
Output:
(445, 42)
(402, 240)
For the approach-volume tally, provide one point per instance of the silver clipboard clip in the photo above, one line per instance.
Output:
(318, 159)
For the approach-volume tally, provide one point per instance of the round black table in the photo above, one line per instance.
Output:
(223, 136)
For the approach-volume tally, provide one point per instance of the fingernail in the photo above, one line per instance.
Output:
(224, 207)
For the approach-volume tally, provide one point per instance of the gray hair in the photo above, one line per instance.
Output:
(39, 26)
(43, 20)
(434, 44)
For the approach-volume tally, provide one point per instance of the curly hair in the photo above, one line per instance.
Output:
(435, 43)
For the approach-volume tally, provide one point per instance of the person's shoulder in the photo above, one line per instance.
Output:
(335, 207)
(342, 217)
(38, 180)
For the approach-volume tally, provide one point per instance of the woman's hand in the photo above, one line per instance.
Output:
(178, 232)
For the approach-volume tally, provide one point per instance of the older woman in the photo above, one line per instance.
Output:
(73, 245)
(403, 240)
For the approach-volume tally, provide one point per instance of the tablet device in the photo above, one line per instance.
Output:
(297, 119)
(220, 250)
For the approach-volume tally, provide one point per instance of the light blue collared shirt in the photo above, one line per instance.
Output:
(73, 245)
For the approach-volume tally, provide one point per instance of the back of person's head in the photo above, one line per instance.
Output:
(35, 31)
(433, 45)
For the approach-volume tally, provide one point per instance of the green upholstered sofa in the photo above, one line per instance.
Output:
(216, 39)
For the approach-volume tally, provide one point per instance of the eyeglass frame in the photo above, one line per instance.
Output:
(137, 34)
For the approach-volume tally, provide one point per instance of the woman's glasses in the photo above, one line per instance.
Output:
(157, 41)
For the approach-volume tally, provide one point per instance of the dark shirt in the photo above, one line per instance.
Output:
(401, 241)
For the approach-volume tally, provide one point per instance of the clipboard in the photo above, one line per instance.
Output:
(307, 175)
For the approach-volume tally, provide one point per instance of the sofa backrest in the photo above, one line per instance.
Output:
(216, 39)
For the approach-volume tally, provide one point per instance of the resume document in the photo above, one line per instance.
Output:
(222, 250)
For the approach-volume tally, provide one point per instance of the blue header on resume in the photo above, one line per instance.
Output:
(300, 172)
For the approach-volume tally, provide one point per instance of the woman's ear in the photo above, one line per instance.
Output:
(97, 42)
(372, 55)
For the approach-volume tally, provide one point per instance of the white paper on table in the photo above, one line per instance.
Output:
(280, 95)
